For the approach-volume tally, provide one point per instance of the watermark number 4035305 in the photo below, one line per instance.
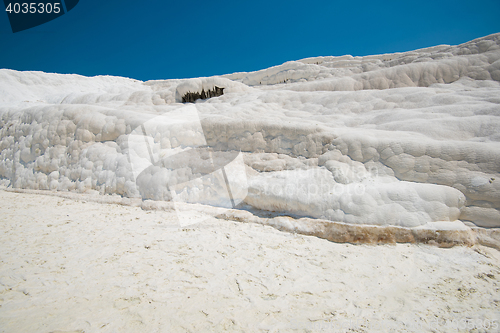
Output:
(26, 15)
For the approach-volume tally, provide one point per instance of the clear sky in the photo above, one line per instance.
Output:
(164, 39)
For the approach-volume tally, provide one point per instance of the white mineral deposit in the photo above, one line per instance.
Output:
(298, 198)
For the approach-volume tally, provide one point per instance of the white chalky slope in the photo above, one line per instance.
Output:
(396, 139)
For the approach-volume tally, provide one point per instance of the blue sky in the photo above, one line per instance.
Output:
(162, 39)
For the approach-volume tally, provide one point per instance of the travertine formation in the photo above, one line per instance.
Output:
(400, 139)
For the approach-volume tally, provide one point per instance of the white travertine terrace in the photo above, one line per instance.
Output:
(401, 139)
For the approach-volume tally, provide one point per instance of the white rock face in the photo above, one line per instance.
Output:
(396, 139)
(383, 201)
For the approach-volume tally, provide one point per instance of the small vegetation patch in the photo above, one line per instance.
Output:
(190, 97)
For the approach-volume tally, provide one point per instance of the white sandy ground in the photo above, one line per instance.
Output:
(80, 266)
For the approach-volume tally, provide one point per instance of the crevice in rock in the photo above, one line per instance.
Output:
(190, 97)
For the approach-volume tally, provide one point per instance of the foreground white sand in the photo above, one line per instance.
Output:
(81, 266)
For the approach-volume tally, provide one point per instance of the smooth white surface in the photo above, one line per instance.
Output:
(416, 134)
(74, 266)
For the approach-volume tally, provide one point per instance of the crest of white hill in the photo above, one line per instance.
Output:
(401, 139)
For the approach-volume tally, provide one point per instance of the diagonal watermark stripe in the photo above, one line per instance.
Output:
(171, 160)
